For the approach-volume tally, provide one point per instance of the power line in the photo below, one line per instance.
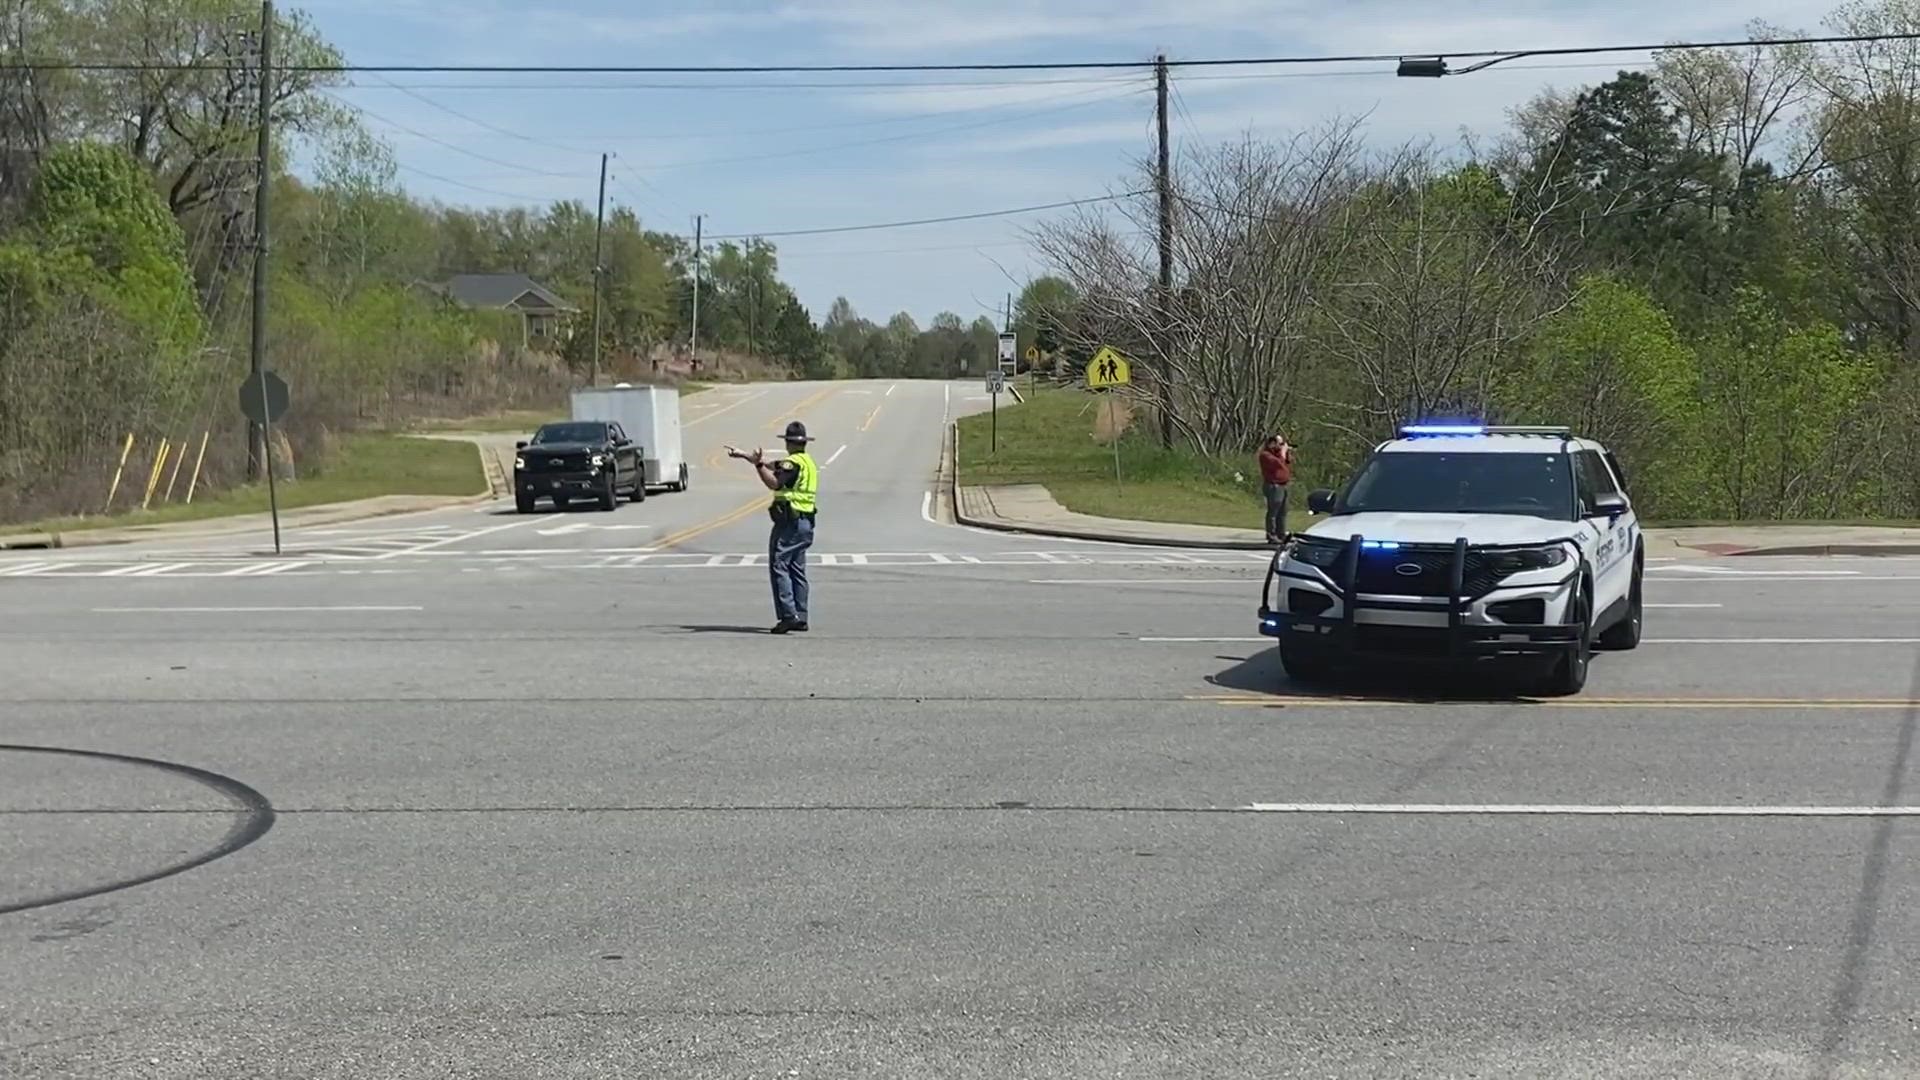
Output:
(687, 134)
(761, 85)
(398, 126)
(1068, 65)
(463, 184)
(927, 221)
(903, 137)
(477, 122)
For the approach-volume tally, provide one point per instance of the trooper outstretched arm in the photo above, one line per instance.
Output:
(758, 459)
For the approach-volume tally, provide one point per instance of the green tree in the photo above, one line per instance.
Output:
(1613, 366)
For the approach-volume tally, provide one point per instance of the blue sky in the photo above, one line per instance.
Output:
(778, 152)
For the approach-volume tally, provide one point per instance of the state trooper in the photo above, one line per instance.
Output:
(795, 483)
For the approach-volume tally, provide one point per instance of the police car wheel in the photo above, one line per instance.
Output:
(640, 487)
(1625, 634)
(1569, 674)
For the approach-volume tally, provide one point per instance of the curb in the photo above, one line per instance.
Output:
(86, 538)
(1834, 549)
(1001, 525)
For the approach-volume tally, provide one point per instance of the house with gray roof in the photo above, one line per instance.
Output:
(543, 313)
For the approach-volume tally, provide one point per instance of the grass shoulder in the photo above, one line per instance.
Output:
(362, 466)
(1062, 439)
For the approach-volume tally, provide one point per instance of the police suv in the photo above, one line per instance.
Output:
(1464, 542)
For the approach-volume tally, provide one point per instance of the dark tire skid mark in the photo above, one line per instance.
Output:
(255, 818)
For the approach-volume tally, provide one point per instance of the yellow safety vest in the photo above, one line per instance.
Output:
(801, 496)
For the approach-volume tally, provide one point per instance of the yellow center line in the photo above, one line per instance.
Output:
(804, 403)
(1298, 701)
(705, 527)
(868, 422)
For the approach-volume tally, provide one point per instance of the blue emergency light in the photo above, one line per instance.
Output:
(1391, 545)
(1444, 429)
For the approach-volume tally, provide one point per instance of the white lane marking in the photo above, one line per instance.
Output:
(837, 453)
(926, 508)
(1582, 810)
(457, 537)
(210, 610)
(1140, 581)
(891, 389)
(706, 416)
(1683, 605)
(1787, 641)
(1719, 579)
(946, 404)
(1646, 641)
(1728, 571)
(25, 569)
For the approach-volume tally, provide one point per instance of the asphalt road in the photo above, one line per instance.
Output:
(480, 795)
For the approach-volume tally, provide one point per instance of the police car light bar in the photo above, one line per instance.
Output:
(1479, 429)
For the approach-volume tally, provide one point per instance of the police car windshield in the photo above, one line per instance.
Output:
(1535, 485)
(570, 433)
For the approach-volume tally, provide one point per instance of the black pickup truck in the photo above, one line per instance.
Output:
(586, 459)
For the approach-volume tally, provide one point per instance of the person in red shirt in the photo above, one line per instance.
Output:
(1276, 472)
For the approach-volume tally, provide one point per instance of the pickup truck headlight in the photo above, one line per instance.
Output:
(1318, 553)
(1521, 559)
(599, 460)
(519, 463)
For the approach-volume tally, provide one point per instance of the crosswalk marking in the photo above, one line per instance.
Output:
(619, 559)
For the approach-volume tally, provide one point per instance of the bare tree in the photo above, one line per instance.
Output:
(1259, 225)
(1730, 102)
(1437, 296)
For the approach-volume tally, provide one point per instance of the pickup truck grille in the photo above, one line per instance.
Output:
(1385, 571)
(558, 463)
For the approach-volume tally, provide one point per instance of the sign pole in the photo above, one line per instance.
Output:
(273, 494)
(995, 425)
(1113, 424)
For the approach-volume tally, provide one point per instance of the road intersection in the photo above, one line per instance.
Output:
(480, 794)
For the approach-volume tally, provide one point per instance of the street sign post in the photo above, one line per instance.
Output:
(1107, 371)
(264, 400)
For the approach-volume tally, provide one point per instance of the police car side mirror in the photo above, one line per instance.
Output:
(521, 445)
(1610, 506)
(1320, 502)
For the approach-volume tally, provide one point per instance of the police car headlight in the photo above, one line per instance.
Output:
(1521, 559)
(1318, 553)
(519, 463)
(599, 460)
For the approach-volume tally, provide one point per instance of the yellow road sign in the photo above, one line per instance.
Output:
(1033, 353)
(1108, 368)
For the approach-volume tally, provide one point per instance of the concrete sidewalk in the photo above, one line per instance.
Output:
(1030, 508)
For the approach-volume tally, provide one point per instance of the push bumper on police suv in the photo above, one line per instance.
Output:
(1458, 600)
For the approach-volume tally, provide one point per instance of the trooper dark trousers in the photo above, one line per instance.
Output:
(787, 566)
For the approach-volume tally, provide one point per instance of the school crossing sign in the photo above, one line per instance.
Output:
(1108, 368)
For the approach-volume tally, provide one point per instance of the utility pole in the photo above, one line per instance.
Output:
(697, 220)
(263, 180)
(599, 228)
(1163, 182)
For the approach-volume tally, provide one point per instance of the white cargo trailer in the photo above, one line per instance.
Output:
(651, 417)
